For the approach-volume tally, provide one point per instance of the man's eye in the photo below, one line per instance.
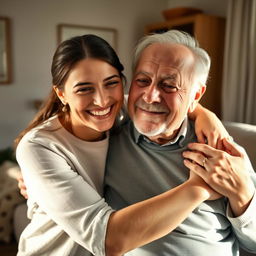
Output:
(142, 82)
(168, 87)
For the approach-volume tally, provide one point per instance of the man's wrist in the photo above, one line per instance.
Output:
(240, 202)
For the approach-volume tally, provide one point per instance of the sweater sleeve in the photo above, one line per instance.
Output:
(244, 226)
(63, 194)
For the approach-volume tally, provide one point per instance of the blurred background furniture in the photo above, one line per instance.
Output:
(244, 135)
(9, 199)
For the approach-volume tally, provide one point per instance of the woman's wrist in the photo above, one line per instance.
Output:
(197, 191)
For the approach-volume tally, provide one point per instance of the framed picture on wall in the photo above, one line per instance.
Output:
(66, 31)
(5, 51)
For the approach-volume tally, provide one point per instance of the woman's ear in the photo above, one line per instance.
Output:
(60, 94)
(196, 97)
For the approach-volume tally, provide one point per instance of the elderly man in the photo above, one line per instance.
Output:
(145, 158)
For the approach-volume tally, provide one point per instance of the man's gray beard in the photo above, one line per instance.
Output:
(153, 133)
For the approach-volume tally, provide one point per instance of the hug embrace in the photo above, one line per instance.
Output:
(166, 180)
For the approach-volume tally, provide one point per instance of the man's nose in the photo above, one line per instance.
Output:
(152, 94)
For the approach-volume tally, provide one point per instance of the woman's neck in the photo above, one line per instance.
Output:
(82, 132)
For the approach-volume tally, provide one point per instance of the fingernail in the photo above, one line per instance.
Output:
(185, 161)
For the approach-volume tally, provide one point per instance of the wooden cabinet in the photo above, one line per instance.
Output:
(210, 32)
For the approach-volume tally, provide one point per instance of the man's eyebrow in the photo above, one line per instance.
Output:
(172, 76)
(143, 73)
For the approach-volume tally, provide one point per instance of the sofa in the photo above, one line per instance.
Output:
(243, 134)
(10, 198)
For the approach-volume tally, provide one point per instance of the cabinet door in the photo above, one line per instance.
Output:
(210, 33)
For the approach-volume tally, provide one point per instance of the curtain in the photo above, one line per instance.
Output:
(239, 78)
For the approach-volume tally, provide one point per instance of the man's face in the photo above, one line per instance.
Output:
(161, 90)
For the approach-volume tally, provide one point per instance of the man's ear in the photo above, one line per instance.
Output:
(197, 96)
(60, 94)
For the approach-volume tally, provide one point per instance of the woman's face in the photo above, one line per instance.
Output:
(94, 93)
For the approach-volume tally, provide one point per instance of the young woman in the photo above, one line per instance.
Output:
(62, 156)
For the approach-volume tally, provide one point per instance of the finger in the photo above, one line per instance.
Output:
(197, 169)
(19, 179)
(212, 140)
(21, 184)
(203, 149)
(200, 137)
(23, 187)
(233, 149)
(220, 145)
(194, 156)
(24, 194)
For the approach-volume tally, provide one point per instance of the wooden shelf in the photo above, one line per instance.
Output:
(209, 30)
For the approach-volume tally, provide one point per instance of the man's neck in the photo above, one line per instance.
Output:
(170, 137)
(162, 139)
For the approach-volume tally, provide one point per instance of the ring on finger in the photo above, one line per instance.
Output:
(204, 161)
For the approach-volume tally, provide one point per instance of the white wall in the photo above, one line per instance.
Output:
(34, 40)
(214, 7)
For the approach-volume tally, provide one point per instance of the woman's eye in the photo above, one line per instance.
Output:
(84, 90)
(112, 83)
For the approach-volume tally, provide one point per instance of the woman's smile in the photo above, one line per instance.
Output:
(101, 113)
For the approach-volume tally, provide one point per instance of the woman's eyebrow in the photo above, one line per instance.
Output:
(89, 83)
(81, 83)
(110, 77)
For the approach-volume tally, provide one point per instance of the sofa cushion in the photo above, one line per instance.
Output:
(244, 135)
(9, 198)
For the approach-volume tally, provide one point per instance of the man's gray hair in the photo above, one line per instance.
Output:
(202, 59)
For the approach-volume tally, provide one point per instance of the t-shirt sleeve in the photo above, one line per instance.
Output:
(244, 226)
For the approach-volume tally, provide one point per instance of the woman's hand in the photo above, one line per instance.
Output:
(209, 129)
(225, 171)
(22, 187)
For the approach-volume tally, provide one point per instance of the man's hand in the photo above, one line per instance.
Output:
(225, 171)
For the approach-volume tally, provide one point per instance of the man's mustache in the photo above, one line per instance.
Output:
(154, 107)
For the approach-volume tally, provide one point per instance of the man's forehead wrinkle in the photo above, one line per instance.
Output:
(172, 60)
(166, 72)
(167, 62)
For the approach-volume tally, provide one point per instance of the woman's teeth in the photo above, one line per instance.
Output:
(100, 112)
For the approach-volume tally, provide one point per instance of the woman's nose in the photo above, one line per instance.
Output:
(101, 98)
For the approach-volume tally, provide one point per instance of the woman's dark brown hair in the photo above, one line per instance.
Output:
(66, 56)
